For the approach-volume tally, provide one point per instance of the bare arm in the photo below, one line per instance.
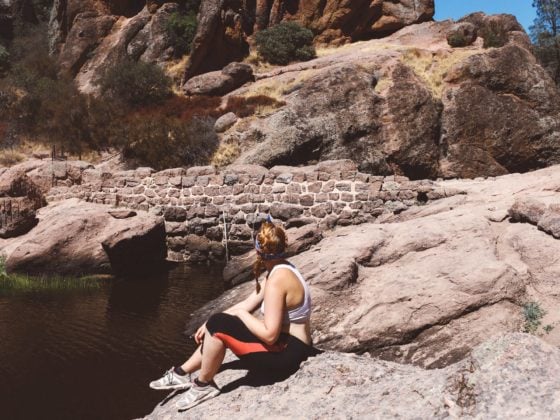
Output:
(249, 304)
(274, 299)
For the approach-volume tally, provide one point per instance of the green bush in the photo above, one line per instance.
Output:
(495, 35)
(163, 142)
(39, 103)
(457, 40)
(181, 29)
(533, 314)
(285, 42)
(135, 83)
(4, 60)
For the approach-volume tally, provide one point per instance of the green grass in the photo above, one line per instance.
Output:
(533, 314)
(20, 283)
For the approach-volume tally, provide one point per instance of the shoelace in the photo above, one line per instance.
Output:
(169, 377)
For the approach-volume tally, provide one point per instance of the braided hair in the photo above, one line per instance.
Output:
(270, 244)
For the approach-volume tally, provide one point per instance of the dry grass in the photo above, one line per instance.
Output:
(369, 46)
(258, 105)
(275, 88)
(326, 51)
(259, 65)
(225, 154)
(10, 157)
(383, 84)
(175, 70)
(268, 87)
(432, 67)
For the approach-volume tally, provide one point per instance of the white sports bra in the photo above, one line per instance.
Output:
(302, 313)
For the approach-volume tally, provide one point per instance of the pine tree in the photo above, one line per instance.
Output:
(545, 34)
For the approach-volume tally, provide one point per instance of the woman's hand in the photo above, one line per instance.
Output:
(199, 334)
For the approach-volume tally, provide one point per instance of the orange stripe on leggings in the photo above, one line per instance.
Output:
(239, 348)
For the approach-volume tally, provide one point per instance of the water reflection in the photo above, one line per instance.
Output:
(90, 353)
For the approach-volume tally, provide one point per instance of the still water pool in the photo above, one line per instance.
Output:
(89, 353)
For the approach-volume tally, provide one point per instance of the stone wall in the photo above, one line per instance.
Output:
(196, 202)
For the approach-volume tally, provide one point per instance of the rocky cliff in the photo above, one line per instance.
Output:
(410, 104)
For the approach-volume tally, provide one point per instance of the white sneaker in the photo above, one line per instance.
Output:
(170, 380)
(197, 394)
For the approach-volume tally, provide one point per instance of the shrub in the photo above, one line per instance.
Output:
(457, 40)
(226, 154)
(285, 42)
(181, 29)
(4, 60)
(495, 35)
(40, 104)
(533, 314)
(135, 83)
(167, 142)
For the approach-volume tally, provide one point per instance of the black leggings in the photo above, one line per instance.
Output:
(284, 355)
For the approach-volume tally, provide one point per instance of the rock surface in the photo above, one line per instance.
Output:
(137, 247)
(507, 377)
(218, 83)
(462, 34)
(225, 122)
(68, 240)
(412, 105)
(426, 285)
(20, 198)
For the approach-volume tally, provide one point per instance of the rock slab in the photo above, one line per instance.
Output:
(69, 236)
(507, 377)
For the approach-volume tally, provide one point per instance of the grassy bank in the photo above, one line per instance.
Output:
(20, 283)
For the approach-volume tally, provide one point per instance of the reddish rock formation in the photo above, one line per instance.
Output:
(90, 36)
(225, 26)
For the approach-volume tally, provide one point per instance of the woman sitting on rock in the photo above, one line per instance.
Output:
(279, 341)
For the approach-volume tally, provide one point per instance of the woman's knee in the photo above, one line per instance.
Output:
(217, 322)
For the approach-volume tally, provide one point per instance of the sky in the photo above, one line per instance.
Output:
(455, 9)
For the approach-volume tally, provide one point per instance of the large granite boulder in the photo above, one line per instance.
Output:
(462, 34)
(75, 238)
(218, 83)
(138, 247)
(480, 134)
